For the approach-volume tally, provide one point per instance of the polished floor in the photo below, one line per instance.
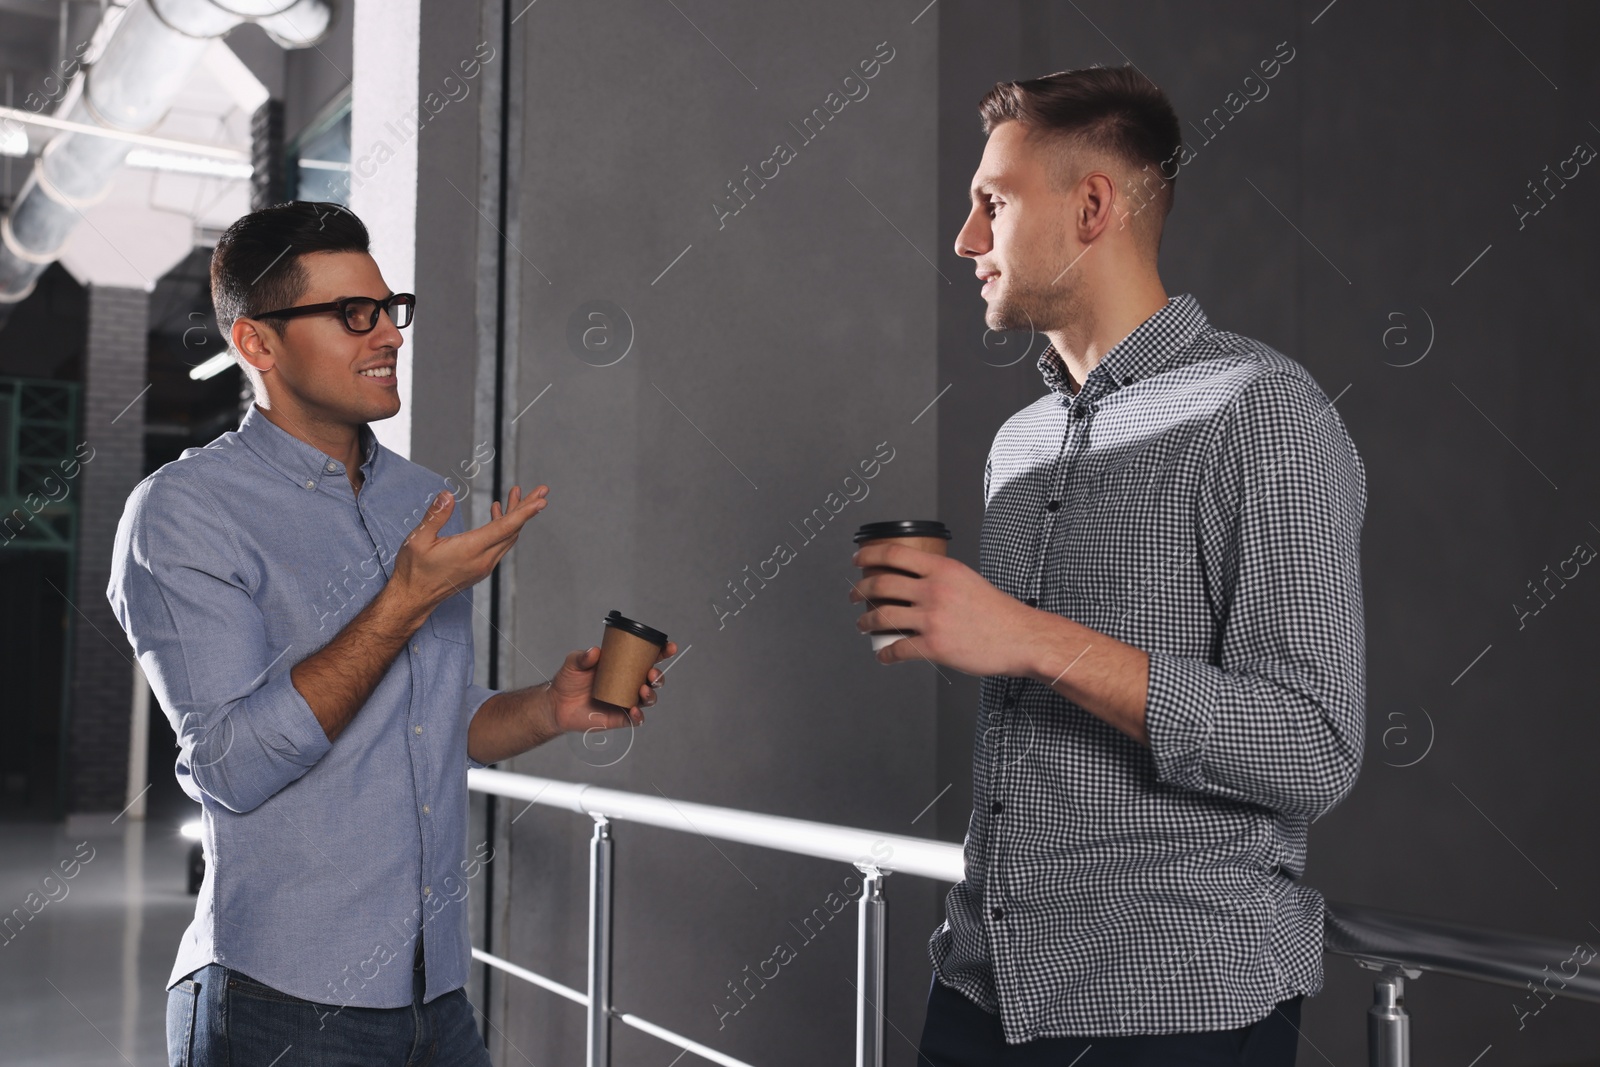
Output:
(84, 959)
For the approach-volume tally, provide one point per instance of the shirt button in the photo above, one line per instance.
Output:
(1053, 505)
(1032, 602)
(311, 483)
(425, 809)
(416, 729)
(1128, 380)
(332, 467)
(427, 890)
(416, 646)
(998, 807)
(998, 913)
(1077, 413)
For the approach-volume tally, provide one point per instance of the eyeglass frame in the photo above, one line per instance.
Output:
(342, 305)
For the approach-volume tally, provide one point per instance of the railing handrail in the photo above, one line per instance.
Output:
(847, 844)
(1394, 943)
(1481, 954)
(1350, 930)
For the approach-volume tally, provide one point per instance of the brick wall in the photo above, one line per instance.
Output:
(102, 669)
(266, 154)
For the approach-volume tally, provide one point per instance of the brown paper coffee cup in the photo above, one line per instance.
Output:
(927, 535)
(627, 652)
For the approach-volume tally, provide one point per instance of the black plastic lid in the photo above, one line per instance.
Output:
(874, 531)
(637, 629)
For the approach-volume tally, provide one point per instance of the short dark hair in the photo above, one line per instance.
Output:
(257, 266)
(1113, 110)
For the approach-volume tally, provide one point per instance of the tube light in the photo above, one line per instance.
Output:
(13, 140)
(149, 159)
(213, 366)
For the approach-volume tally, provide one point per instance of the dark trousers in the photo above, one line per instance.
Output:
(958, 1033)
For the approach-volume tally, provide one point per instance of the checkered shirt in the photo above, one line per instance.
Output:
(1198, 498)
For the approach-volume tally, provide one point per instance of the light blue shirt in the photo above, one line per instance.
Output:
(325, 859)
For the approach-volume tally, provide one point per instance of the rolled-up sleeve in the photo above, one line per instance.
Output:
(475, 698)
(1277, 716)
(181, 592)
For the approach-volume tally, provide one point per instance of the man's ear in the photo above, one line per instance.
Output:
(255, 342)
(1098, 205)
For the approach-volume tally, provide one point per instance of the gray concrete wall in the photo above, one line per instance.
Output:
(772, 351)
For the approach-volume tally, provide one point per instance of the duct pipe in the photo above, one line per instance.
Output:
(150, 49)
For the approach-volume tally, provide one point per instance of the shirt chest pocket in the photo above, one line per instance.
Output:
(452, 620)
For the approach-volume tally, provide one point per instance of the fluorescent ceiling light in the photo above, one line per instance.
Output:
(150, 159)
(13, 140)
(50, 122)
(213, 366)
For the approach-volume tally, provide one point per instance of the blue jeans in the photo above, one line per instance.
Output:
(218, 1017)
(958, 1033)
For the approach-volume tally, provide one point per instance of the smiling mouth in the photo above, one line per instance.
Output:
(378, 372)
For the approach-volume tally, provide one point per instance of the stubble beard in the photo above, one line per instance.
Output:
(1025, 306)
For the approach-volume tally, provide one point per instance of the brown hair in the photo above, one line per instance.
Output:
(251, 270)
(1115, 111)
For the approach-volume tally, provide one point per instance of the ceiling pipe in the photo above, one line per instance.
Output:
(150, 49)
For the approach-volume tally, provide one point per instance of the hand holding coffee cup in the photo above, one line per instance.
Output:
(627, 652)
(926, 535)
(606, 686)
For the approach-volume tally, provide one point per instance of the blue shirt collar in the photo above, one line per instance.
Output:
(295, 459)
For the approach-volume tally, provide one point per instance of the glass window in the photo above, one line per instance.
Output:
(317, 163)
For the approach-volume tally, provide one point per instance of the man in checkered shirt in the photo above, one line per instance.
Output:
(1168, 623)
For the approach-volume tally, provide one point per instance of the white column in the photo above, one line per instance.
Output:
(138, 745)
(384, 112)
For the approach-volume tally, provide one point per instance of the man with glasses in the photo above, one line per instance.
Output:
(299, 597)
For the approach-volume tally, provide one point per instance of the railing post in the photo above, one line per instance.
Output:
(871, 942)
(600, 846)
(1388, 1022)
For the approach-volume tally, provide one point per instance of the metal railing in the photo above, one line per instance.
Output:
(1397, 946)
(875, 855)
(1400, 946)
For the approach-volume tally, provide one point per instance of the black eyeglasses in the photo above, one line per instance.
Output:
(360, 313)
